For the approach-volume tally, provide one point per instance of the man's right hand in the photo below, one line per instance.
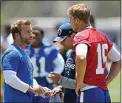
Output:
(36, 90)
(55, 77)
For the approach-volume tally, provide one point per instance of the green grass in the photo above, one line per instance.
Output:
(115, 89)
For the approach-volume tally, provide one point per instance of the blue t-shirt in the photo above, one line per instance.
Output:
(42, 59)
(16, 59)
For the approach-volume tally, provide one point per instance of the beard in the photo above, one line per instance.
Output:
(29, 41)
(26, 40)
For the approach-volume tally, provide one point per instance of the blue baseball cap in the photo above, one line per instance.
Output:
(64, 31)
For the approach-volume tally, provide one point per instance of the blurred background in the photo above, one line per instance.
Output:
(49, 15)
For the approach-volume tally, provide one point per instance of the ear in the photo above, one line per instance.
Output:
(17, 35)
(77, 20)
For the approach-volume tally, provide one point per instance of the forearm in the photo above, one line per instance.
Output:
(80, 70)
(81, 54)
(67, 83)
(12, 80)
(114, 71)
(35, 84)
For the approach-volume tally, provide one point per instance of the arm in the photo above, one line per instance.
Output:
(10, 64)
(63, 81)
(45, 92)
(81, 52)
(67, 83)
(115, 68)
(58, 64)
(12, 80)
(35, 84)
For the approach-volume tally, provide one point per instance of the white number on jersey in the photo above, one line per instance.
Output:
(42, 72)
(101, 56)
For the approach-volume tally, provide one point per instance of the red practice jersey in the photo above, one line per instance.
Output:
(99, 46)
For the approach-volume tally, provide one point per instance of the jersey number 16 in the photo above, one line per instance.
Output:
(101, 57)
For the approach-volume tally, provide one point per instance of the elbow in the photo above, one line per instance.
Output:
(117, 62)
(59, 69)
(80, 60)
(59, 64)
(8, 80)
(80, 57)
(61, 61)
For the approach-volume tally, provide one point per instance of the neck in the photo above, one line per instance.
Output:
(20, 44)
(37, 46)
(83, 26)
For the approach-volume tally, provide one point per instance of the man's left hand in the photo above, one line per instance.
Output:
(56, 90)
(77, 90)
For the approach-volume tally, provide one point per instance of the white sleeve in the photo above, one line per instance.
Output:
(35, 84)
(58, 64)
(81, 49)
(12, 80)
(114, 54)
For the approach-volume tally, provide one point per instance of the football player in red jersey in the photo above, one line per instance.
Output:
(92, 49)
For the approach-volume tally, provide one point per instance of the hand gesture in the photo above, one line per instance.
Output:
(79, 87)
(54, 77)
(77, 90)
(36, 90)
(46, 92)
(56, 90)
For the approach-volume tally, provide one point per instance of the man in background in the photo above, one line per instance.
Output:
(45, 59)
(66, 30)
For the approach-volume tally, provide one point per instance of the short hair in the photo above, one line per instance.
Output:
(80, 11)
(39, 29)
(16, 26)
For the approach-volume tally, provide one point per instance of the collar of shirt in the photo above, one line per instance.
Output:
(88, 27)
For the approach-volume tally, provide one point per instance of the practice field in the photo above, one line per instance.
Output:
(115, 89)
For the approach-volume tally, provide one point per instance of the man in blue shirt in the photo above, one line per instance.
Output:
(45, 59)
(17, 67)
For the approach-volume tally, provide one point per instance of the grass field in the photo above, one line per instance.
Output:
(115, 89)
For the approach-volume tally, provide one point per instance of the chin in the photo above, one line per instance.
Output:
(29, 41)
